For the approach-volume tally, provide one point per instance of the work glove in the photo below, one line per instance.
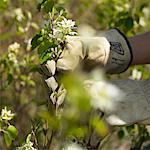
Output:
(110, 49)
(134, 106)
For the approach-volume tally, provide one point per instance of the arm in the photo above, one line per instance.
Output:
(140, 48)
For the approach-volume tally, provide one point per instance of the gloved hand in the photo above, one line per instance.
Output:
(110, 49)
(134, 107)
(123, 102)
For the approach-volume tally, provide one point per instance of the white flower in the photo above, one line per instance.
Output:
(18, 14)
(28, 44)
(136, 75)
(56, 31)
(12, 58)
(66, 23)
(6, 114)
(66, 27)
(27, 146)
(73, 146)
(14, 47)
(104, 96)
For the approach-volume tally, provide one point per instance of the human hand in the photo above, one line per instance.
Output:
(109, 49)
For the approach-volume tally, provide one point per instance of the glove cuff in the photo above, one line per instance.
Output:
(120, 56)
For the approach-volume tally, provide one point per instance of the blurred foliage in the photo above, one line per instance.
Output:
(22, 87)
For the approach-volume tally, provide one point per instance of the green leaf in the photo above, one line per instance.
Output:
(7, 138)
(129, 23)
(77, 97)
(121, 134)
(10, 134)
(9, 78)
(52, 120)
(47, 6)
(40, 5)
(3, 5)
(37, 39)
(12, 131)
(45, 45)
(45, 57)
(28, 138)
(99, 126)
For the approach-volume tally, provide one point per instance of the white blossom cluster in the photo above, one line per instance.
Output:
(73, 146)
(27, 146)
(6, 114)
(66, 26)
(61, 28)
(12, 52)
(104, 96)
(136, 74)
(18, 14)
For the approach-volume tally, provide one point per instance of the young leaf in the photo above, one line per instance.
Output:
(47, 6)
(12, 131)
(37, 39)
(7, 138)
(28, 138)
(45, 57)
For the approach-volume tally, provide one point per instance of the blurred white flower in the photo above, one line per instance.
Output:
(142, 21)
(27, 146)
(6, 114)
(12, 58)
(104, 96)
(14, 47)
(73, 146)
(18, 14)
(136, 75)
(28, 44)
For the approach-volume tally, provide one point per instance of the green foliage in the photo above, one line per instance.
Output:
(10, 134)
(3, 5)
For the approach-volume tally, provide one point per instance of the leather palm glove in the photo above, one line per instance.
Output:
(110, 49)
